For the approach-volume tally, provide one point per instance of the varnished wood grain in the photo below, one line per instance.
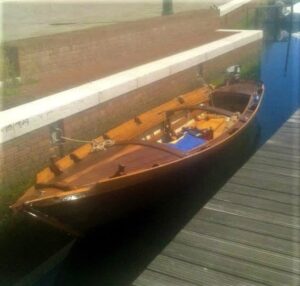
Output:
(127, 130)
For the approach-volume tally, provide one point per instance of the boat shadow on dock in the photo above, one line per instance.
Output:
(116, 253)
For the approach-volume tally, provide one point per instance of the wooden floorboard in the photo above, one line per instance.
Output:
(265, 153)
(283, 137)
(274, 183)
(254, 212)
(150, 278)
(267, 176)
(246, 237)
(274, 163)
(250, 224)
(249, 232)
(228, 264)
(289, 171)
(239, 251)
(259, 203)
(194, 273)
(288, 152)
(291, 200)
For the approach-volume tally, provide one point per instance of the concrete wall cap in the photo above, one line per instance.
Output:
(231, 6)
(25, 118)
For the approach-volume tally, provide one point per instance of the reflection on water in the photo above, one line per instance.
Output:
(280, 71)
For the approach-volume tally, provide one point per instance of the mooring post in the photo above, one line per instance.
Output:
(167, 7)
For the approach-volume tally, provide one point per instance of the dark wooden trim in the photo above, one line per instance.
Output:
(153, 145)
(60, 186)
(52, 221)
(203, 108)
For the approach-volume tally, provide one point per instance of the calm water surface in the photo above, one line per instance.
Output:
(282, 85)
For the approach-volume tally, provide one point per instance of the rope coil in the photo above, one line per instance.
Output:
(97, 145)
(101, 145)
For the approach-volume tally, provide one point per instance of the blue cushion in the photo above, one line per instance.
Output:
(187, 142)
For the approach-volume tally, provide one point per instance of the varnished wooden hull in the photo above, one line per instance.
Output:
(82, 209)
(80, 216)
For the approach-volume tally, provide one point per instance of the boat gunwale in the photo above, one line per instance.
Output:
(95, 187)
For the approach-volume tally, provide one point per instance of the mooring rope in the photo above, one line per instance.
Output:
(75, 140)
(97, 145)
(102, 145)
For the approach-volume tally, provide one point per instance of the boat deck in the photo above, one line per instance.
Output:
(249, 232)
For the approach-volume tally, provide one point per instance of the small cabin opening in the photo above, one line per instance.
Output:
(234, 102)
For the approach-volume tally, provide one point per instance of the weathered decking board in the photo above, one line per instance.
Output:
(249, 232)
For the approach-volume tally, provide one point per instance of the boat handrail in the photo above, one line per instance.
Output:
(55, 185)
(161, 147)
(217, 110)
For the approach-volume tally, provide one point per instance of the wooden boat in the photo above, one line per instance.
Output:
(103, 179)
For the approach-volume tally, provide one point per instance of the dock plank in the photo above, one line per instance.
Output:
(246, 237)
(257, 203)
(269, 154)
(150, 278)
(284, 137)
(249, 232)
(229, 265)
(283, 151)
(289, 199)
(289, 171)
(240, 251)
(250, 224)
(259, 180)
(255, 213)
(264, 175)
(192, 273)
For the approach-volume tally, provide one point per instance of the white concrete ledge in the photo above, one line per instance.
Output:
(25, 118)
(231, 6)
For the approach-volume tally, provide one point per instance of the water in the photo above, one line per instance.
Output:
(282, 85)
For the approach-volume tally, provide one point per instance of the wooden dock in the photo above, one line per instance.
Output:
(249, 232)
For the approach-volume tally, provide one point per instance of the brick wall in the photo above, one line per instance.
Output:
(215, 68)
(99, 119)
(239, 18)
(19, 158)
(22, 157)
(53, 63)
